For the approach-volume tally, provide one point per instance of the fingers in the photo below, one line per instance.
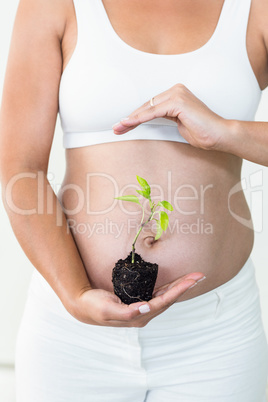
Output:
(100, 307)
(138, 314)
(164, 105)
(164, 109)
(163, 97)
(168, 298)
(142, 312)
(196, 276)
(122, 312)
(106, 308)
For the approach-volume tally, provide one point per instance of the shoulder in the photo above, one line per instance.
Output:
(49, 16)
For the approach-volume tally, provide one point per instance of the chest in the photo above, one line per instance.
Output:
(124, 56)
(164, 27)
(172, 27)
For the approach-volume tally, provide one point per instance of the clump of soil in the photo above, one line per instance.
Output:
(134, 282)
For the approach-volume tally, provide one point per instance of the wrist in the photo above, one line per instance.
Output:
(231, 136)
(70, 297)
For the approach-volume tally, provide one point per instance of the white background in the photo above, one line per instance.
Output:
(15, 269)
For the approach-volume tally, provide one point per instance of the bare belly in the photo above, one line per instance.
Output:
(203, 234)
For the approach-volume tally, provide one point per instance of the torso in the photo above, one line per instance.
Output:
(205, 236)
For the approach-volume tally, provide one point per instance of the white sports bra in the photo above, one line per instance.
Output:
(107, 79)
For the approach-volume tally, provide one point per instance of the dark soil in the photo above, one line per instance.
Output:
(134, 282)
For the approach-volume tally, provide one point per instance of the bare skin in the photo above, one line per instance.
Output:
(176, 253)
(210, 171)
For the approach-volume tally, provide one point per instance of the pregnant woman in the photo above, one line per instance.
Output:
(163, 89)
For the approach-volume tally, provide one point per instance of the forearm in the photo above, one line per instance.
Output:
(246, 139)
(44, 236)
(201, 127)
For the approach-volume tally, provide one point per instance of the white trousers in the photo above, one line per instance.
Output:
(211, 348)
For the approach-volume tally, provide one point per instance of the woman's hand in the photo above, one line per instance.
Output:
(201, 127)
(100, 307)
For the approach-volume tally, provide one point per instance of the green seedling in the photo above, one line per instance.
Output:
(162, 221)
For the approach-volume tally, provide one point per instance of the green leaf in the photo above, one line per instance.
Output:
(163, 220)
(144, 194)
(159, 231)
(166, 205)
(144, 185)
(131, 198)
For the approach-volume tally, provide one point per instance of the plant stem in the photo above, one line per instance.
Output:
(133, 245)
(137, 235)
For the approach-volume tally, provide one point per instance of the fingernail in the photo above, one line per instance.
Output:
(161, 292)
(200, 280)
(119, 122)
(193, 285)
(116, 124)
(144, 309)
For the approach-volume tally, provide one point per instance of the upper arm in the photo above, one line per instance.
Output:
(30, 96)
(262, 21)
